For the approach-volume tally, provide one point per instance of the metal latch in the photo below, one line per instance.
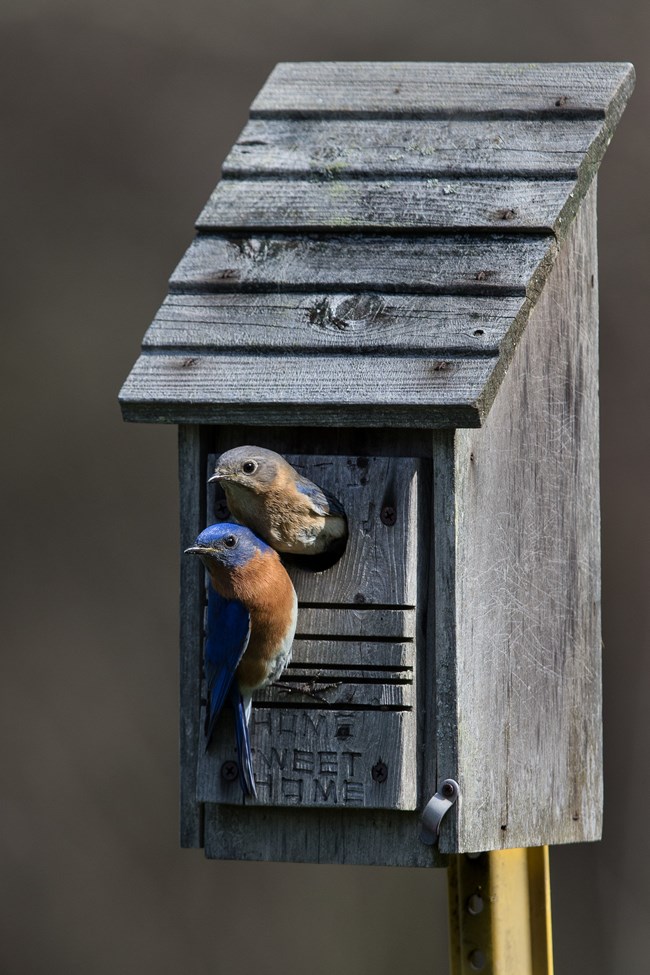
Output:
(435, 809)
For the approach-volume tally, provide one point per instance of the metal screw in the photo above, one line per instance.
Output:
(448, 789)
(388, 515)
(229, 771)
(380, 771)
(221, 510)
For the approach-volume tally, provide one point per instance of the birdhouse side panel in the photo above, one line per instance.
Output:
(527, 580)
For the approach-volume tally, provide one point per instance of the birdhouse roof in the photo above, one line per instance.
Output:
(377, 242)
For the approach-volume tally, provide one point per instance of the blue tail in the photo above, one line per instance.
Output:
(246, 774)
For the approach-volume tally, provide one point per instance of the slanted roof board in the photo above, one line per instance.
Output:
(444, 90)
(403, 391)
(386, 205)
(303, 148)
(441, 263)
(344, 322)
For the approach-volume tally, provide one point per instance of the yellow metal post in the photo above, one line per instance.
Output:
(500, 913)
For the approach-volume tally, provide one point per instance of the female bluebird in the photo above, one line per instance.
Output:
(251, 621)
(288, 511)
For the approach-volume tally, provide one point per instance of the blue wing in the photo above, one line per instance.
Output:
(322, 502)
(228, 632)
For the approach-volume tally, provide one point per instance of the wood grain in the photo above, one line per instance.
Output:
(372, 837)
(443, 90)
(366, 624)
(539, 148)
(347, 322)
(440, 264)
(353, 390)
(526, 583)
(306, 206)
(191, 462)
(311, 757)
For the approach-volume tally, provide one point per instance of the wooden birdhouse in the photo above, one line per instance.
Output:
(395, 286)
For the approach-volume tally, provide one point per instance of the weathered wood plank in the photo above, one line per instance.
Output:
(318, 147)
(357, 624)
(302, 323)
(335, 653)
(335, 691)
(191, 460)
(328, 389)
(527, 586)
(453, 263)
(371, 837)
(443, 90)
(383, 205)
(323, 672)
(379, 565)
(310, 757)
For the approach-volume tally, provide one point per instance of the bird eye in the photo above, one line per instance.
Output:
(249, 466)
(230, 541)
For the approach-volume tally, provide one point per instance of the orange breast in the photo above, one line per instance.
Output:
(266, 591)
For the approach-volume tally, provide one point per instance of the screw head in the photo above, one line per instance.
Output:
(221, 510)
(449, 789)
(229, 771)
(388, 515)
(380, 771)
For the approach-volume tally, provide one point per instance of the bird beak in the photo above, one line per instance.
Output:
(196, 550)
(216, 477)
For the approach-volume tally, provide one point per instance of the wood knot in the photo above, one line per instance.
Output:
(507, 213)
(345, 314)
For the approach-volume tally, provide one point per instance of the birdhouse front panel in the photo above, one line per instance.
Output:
(339, 728)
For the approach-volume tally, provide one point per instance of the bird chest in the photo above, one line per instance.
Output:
(395, 287)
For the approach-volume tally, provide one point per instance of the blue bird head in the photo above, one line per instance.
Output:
(230, 545)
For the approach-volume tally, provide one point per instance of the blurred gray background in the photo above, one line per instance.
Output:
(115, 118)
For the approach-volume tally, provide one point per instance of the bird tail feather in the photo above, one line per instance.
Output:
(246, 774)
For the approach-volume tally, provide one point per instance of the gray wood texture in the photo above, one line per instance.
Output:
(453, 264)
(518, 590)
(333, 389)
(191, 464)
(443, 90)
(318, 147)
(308, 757)
(346, 704)
(308, 206)
(357, 195)
(347, 322)
(368, 837)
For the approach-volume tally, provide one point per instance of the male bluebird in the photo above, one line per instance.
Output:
(284, 508)
(251, 621)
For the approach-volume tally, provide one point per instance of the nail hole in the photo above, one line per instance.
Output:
(479, 331)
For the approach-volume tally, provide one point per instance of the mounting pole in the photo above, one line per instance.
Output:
(500, 913)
